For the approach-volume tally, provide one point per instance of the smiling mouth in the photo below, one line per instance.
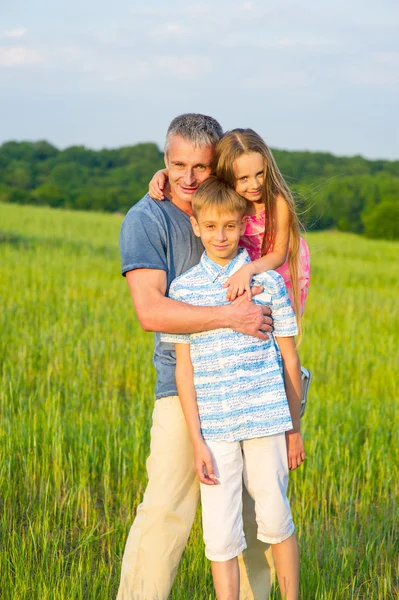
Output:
(189, 190)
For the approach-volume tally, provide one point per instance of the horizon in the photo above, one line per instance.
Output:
(273, 148)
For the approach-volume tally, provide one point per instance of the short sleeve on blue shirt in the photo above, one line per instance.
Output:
(142, 242)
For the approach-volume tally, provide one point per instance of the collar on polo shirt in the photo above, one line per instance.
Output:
(215, 271)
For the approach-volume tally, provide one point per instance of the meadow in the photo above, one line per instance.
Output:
(76, 396)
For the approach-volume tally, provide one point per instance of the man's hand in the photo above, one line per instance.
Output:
(295, 449)
(249, 318)
(203, 464)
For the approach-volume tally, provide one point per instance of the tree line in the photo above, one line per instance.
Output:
(347, 193)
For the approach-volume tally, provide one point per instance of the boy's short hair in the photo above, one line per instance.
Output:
(214, 193)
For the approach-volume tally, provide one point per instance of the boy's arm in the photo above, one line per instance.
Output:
(188, 400)
(293, 388)
(156, 312)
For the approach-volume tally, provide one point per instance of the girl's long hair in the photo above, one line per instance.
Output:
(231, 146)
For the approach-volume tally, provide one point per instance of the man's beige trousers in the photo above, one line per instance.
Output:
(164, 519)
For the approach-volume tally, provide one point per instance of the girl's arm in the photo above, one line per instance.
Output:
(157, 184)
(188, 400)
(293, 389)
(240, 282)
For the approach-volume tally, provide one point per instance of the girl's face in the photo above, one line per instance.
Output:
(249, 176)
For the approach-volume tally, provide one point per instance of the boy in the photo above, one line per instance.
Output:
(241, 400)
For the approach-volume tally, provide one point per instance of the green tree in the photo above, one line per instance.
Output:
(18, 174)
(383, 221)
(49, 194)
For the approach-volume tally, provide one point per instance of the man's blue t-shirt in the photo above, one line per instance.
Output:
(158, 235)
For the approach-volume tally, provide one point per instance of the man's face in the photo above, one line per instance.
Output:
(219, 232)
(188, 167)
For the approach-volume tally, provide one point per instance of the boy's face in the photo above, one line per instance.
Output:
(220, 233)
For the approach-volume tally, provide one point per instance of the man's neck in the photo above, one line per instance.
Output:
(184, 206)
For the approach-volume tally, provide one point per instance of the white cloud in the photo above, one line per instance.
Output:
(294, 80)
(19, 56)
(378, 78)
(199, 9)
(388, 58)
(128, 67)
(149, 12)
(184, 67)
(381, 70)
(247, 7)
(172, 27)
(169, 31)
(17, 33)
(295, 42)
(99, 64)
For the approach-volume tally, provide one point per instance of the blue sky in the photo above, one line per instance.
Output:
(304, 74)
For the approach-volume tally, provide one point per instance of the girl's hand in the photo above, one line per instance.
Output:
(239, 283)
(157, 184)
(295, 449)
(203, 464)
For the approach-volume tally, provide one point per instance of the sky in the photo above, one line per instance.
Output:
(305, 74)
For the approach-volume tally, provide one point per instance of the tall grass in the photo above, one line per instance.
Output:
(76, 396)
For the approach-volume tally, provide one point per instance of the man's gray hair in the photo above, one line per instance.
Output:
(199, 130)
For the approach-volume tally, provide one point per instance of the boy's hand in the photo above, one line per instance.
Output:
(295, 449)
(203, 464)
(157, 185)
(239, 283)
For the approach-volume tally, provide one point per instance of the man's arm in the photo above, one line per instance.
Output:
(293, 389)
(156, 312)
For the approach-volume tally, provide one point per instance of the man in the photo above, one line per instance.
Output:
(157, 244)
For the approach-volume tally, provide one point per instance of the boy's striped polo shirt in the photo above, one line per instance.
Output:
(238, 378)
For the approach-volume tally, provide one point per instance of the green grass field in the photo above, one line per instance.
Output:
(76, 401)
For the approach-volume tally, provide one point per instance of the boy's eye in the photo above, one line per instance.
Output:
(210, 226)
(232, 226)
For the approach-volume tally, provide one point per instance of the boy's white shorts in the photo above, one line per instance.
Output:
(262, 464)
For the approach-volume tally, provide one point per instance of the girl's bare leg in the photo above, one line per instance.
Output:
(226, 579)
(286, 560)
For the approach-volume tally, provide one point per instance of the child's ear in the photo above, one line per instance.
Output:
(195, 226)
(243, 225)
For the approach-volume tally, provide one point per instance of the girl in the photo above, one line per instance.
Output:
(272, 234)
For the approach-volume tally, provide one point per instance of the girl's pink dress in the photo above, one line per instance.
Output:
(252, 241)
